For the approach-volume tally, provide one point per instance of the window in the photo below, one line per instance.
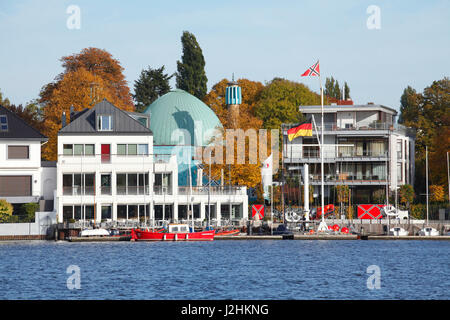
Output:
(105, 184)
(3, 123)
(18, 152)
(399, 172)
(121, 149)
(132, 183)
(104, 123)
(399, 149)
(143, 149)
(143, 121)
(106, 212)
(132, 149)
(89, 150)
(78, 184)
(68, 149)
(78, 150)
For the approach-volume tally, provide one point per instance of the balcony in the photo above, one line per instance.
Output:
(333, 126)
(162, 190)
(79, 191)
(216, 190)
(133, 190)
(348, 179)
(313, 155)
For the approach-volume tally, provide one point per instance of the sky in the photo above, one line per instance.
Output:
(258, 40)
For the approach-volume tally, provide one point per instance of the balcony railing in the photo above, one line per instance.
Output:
(346, 177)
(105, 190)
(313, 154)
(133, 190)
(137, 159)
(333, 126)
(216, 190)
(79, 191)
(161, 190)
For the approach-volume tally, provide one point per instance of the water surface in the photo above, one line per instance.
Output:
(266, 269)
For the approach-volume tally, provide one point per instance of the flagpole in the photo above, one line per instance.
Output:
(321, 154)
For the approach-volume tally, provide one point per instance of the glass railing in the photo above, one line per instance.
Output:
(79, 191)
(347, 177)
(314, 154)
(132, 190)
(160, 190)
(214, 190)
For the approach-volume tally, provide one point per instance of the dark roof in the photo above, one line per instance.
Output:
(18, 128)
(84, 122)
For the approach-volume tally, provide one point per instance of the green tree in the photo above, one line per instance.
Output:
(29, 209)
(191, 76)
(152, 84)
(4, 102)
(6, 210)
(280, 101)
(406, 194)
(31, 114)
(347, 91)
(428, 114)
(409, 105)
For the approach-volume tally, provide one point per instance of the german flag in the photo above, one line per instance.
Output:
(303, 130)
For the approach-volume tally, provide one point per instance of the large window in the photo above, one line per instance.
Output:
(132, 183)
(104, 123)
(163, 183)
(78, 184)
(18, 152)
(105, 183)
(78, 150)
(133, 211)
(132, 149)
(77, 212)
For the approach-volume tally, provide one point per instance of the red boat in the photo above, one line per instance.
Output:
(176, 232)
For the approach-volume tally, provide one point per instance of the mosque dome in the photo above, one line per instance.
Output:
(178, 109)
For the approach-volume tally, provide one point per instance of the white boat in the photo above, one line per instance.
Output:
(392, 211)
(428, 231)
(292, 217)
(94, 233)
(398, 231)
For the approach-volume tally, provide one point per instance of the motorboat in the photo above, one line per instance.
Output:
(428, 231)
(174, 232)
(95, 233)
(398, 231)
(392, 211)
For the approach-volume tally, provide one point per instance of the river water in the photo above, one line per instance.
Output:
(253, 269)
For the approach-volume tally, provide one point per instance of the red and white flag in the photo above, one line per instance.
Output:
(312, 71)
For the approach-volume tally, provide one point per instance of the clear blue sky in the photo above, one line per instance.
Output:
(258, 40)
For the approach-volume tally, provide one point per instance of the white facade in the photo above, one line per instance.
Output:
(156, 198)
(43, 181)
(363, 148)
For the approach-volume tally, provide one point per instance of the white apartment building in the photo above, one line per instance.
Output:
(107, 171)
(363, 148)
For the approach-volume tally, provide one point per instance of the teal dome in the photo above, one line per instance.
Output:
(178, 109)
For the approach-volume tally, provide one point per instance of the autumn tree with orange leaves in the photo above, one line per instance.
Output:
(247, 173)
(88, 77)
